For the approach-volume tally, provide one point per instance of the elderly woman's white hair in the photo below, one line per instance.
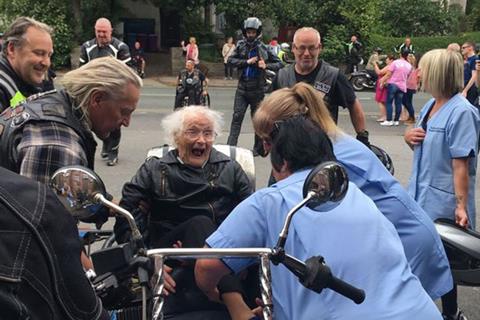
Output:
(173, 124)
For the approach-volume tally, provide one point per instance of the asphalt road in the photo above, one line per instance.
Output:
(156, 102)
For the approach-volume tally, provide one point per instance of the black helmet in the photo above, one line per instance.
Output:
(404, 52)
(378, 49)
(384, 158)
(252, 23)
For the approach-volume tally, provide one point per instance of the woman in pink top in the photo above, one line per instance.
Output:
(381, 91)
(396, 79)
(412, 84)
(191, 50)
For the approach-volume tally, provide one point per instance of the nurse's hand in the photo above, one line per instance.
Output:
(461, 217)
(414, 136)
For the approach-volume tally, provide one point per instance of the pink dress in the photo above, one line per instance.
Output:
(380, 93)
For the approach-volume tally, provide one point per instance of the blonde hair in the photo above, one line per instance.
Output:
(442, 72)
(106, 74)
(174, 123)
(412, 60)
(289, 102)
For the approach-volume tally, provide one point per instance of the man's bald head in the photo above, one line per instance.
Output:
(306, 48)
(103, 31)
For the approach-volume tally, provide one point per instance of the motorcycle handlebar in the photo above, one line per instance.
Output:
(347, 290)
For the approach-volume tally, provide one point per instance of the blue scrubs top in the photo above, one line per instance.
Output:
(421, 242)
(452, 132)
(358, 243)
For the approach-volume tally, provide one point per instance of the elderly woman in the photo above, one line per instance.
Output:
(420, 240)
(445, 145)
(187, 193)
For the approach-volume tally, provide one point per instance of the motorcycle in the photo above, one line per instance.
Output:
(361, 80)
(125, 270)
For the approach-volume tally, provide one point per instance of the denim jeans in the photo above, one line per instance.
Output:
(394, 94)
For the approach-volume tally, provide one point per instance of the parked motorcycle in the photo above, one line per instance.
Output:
(125, 270)
(361, 80)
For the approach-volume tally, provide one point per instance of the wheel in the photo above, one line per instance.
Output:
(205, 100)
(357, 83)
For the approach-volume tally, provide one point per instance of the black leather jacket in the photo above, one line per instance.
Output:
(177, 192)
(41, 276)
(240, 56)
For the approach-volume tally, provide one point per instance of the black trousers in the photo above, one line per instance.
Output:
(243, 99)
(193, 99)
(112, 144)
(228, 70)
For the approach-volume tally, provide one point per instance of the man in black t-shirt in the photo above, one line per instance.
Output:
(332, 84)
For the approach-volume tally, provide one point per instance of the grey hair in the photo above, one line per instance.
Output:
(106, 74)
(308, 29)
(15, 33)
(174, 123)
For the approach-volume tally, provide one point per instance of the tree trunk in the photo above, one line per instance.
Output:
(77, 16)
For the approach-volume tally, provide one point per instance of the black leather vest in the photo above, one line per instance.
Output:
(324, 82)
(53, 106)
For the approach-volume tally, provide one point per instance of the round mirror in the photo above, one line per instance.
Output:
(76, 187)
(329, 183)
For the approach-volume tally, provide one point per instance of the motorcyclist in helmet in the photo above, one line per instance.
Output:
(251, 57)
(284, 54)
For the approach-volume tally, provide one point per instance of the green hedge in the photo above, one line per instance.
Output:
(421, 44)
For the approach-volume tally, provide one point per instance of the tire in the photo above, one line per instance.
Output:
(357, 83)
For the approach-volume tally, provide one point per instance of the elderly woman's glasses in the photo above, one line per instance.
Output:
(208, 135)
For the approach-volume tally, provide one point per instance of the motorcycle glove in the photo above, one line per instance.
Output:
(363, 138)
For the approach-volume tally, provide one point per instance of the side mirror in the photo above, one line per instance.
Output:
(326, 184)
(76, 188)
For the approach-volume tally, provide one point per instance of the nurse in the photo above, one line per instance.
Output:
(360, 245)
(445, 145)
(421, 243)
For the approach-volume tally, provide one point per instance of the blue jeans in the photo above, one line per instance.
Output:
(394, 93)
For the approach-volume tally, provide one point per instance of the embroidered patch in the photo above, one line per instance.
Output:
(323, 87)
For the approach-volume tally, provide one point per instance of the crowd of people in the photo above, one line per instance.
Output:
(195, 196)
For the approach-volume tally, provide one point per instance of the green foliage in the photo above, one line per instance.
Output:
(51, 12)
(420, 17)
(421, 44)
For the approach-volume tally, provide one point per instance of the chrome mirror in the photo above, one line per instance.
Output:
(76, 188)
(326, 184)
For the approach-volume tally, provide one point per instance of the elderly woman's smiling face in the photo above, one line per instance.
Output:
(194, 142)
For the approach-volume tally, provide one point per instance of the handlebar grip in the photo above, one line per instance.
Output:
(347, 290)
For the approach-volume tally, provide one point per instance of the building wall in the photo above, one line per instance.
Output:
(140, 10)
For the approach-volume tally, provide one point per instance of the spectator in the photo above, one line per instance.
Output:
(191, 50)
(354, 54)
(412, 85)
(470, 73)
(406, 45)
(104, 45)
(375, 58)
(227, 50)
(21, 70)
(381, 89)
(274, 46)
(284, 54)
(445, 146)
(138, 58)
(396, 82)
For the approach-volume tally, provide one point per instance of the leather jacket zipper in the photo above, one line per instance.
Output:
(213, 212)
(163, 183)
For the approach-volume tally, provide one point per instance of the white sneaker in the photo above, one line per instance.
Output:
(386, 123)
(396, 123)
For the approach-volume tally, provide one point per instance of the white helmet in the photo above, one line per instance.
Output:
(285, 46)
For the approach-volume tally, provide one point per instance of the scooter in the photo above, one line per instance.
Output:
(463, 251)
(361, 80)
(128, 267)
